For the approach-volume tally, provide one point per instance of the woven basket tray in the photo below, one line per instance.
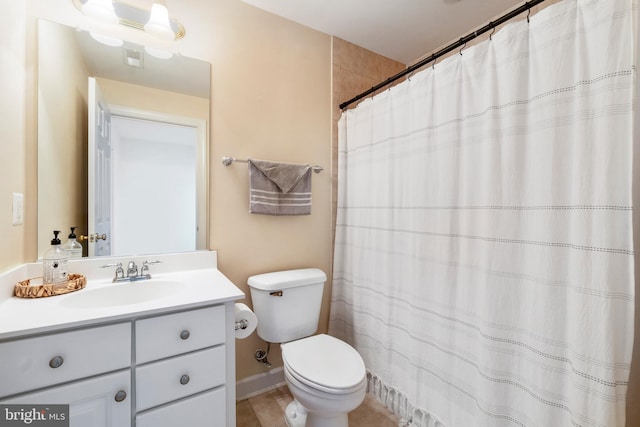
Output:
(25, 289)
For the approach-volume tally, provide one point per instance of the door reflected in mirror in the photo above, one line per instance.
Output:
(131, 163)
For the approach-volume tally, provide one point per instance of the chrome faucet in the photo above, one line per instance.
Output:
(132, 271)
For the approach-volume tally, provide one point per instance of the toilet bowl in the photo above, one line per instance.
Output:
(327, 379)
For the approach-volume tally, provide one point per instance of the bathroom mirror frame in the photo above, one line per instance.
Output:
(181, 91)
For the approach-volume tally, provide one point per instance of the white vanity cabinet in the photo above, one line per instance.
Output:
(168, 369)
(89, 369)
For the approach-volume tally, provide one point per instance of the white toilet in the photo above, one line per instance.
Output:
(325, 375)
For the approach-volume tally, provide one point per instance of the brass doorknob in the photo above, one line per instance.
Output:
(93, 237)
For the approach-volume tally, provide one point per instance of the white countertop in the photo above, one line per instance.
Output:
(196, 276)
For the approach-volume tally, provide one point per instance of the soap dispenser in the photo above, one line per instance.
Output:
(73, 248)
(54, 262)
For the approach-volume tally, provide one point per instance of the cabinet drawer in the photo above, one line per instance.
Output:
(204, 410)
(172, 334)
(181, 376)
(103, 401)
(32, 363)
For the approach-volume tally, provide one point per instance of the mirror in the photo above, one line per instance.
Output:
(140, 169)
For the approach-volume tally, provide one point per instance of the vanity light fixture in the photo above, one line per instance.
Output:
(158, 23)
(155, 22)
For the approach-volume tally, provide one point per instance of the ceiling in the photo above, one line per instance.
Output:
(166, 74)
(403, 30)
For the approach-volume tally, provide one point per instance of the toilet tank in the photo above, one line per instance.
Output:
(287, 303)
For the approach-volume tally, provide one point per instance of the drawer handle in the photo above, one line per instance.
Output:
(185, 334)
(184, 379)
(56, 362)
(120, 396)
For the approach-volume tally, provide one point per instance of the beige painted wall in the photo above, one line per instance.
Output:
(13, 135)
(271, 100)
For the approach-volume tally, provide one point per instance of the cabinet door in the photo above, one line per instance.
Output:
(161, 382)
(103, 401)
(178, 333)
(39, 362)
(204, 410)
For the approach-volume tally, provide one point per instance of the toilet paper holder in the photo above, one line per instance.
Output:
(245, 321)
(242, 324)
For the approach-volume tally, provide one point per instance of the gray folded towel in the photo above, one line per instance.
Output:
(279, 188)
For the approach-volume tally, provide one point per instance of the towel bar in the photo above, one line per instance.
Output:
(228, 160)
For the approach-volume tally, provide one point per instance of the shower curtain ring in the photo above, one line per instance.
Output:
(528, 14)
(463, 46)
(493, 30)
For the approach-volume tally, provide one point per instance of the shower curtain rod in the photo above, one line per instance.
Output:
(460, 43)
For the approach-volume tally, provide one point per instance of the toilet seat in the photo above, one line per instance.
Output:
(324, 363)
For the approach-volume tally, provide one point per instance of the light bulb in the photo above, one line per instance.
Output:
(158, 24)
(101, 10)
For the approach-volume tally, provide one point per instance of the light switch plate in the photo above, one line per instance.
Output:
(18, 208)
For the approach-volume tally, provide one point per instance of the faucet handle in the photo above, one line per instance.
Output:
(147, 263)
(144, 270)
(119, 264)
(119, 270)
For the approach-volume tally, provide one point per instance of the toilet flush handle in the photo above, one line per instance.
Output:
(276, 293)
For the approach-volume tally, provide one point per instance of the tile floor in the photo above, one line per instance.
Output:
(267, 410)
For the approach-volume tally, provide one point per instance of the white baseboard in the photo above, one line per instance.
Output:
(260, 383)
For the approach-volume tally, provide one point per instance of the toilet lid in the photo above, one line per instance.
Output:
(325, 361)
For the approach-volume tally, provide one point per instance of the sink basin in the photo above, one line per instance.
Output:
(125, 293)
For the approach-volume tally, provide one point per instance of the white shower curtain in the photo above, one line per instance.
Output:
(484, 254)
